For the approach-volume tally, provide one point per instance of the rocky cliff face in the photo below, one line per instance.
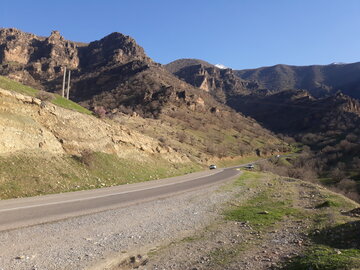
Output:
(114, 49)
(221, 83)
(35, 60)
(45, 58)
(113, 72)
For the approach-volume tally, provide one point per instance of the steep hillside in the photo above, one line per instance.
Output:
(296, 111)
(45, 148)
(319, 80)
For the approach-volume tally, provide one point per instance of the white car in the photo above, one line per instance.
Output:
(212, 167)
(249, 166)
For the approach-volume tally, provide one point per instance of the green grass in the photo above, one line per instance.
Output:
(284, 161)
(344, 235)
(24, 176)
(327, 203)
(325, 258)
(262, 211)
(338, 200)
(327, 181)
(11, 85)
(248, 178)
(68, 104)
(296, 147)
(334, 240)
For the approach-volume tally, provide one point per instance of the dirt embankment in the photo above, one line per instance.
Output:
(28, 124)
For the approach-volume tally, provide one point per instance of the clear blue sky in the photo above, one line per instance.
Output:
(237, 33)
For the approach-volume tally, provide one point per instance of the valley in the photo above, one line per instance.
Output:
(122, 166)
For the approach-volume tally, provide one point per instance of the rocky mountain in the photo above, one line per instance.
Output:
(283, 98)
(322, 116)
(319, 80)
(115, 74)
(220, 82)
(36, 60)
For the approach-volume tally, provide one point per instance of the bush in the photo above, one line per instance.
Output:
(44, 96)
(87, 157)
(100, 111)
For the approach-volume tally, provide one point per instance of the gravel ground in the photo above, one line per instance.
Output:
(95, 241)
(237, 245)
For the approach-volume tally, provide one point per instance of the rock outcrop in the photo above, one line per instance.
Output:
(220, 82)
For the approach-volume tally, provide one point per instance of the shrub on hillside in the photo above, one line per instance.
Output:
(44, 96)
(100, 111)
(87, 157)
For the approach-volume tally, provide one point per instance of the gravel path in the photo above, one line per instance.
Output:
(94, 241)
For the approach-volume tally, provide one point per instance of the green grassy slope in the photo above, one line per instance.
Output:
(24, 175)
(11, 85)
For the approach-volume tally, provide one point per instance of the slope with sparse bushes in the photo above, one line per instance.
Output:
(45, 148)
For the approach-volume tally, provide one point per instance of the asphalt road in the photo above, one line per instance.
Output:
(23, 212)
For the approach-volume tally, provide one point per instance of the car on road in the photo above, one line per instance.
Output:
(249, 166)
(212, 167)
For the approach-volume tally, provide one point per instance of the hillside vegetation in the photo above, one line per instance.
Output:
(329, 126)
(7, 84)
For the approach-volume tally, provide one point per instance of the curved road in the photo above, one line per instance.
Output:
(18, 213)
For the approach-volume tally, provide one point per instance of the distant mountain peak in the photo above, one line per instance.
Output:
(338, 63)
(221, 66)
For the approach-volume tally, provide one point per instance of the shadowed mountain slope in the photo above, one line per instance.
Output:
(319, 80)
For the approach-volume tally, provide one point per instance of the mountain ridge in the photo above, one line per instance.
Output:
(119, 81)
(319, 80)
